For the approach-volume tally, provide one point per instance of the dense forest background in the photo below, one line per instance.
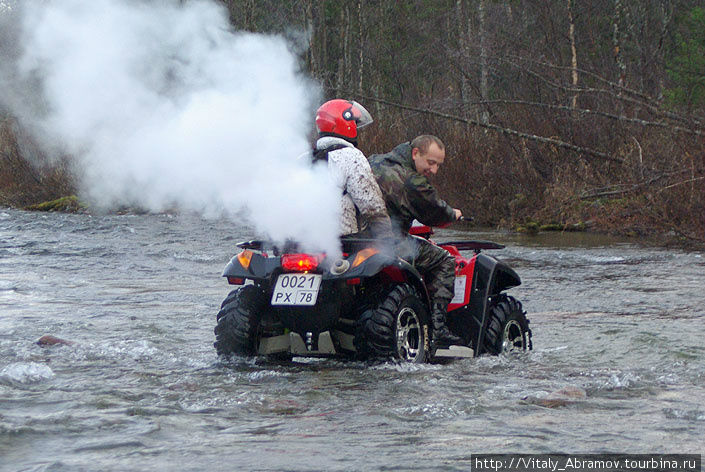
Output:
(563, 112)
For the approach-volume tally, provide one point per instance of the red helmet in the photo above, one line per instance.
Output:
(342, 118)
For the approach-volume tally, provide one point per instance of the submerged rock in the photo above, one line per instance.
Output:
(49, 340)
(565, 396)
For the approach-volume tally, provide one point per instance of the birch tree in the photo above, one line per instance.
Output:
(573, 55)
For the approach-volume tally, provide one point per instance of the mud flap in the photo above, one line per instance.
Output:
(294, 344)
(490, 278)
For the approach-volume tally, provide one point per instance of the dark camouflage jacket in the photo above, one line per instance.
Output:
(408, 194)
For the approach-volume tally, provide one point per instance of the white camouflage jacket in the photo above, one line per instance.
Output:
(351, 172)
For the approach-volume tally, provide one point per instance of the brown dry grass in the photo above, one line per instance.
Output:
(24, 180)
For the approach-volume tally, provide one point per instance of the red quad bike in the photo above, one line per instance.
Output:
(369, 304)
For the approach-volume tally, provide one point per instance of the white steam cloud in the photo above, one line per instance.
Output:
(164, 105)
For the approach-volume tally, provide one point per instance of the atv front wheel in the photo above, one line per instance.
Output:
(507, 327)
(396, 328)
(237, 331)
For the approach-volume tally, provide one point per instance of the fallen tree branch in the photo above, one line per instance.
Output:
(587, 73)
(499, 129)
(694, 179)
(622, 189)
(587, 111)
(639, 102)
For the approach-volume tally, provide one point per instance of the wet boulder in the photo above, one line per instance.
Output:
(49, 340)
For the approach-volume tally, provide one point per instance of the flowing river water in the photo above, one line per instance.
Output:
(618, 363)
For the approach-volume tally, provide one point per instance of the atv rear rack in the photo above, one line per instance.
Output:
(476, 246)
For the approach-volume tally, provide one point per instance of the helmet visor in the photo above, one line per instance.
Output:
(361, 115)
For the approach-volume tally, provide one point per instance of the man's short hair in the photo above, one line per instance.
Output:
(424, 141)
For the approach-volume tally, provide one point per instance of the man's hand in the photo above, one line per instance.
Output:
(458, 214)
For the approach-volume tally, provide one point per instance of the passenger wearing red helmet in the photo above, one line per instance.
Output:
(362, 205)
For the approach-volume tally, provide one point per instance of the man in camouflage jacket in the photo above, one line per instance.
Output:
(402, 175)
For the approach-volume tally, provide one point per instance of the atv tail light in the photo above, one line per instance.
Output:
(363, 255)
(244, 258)
(236, 280)
(300, 262)
(354, 281)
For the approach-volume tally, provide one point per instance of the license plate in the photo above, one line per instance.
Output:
(296, 289)
(459, 296)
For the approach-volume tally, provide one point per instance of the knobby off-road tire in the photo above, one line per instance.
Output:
(396, 328)
(507, 327)
(237, 331)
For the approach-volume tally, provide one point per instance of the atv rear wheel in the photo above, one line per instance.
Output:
(238, 328)
(396, 328)
(507, 327)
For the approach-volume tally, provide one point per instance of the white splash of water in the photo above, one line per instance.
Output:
(164, 105)
(26, 373)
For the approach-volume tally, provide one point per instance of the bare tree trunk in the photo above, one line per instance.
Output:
(484, 73)
(347, 54)
(311, 28)
(377, 78)
(617, 49)
(573, 55)
(463, 40)
(321, 37)
(343, 73)
(361, 46)
(666, 11)
(250, 15)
